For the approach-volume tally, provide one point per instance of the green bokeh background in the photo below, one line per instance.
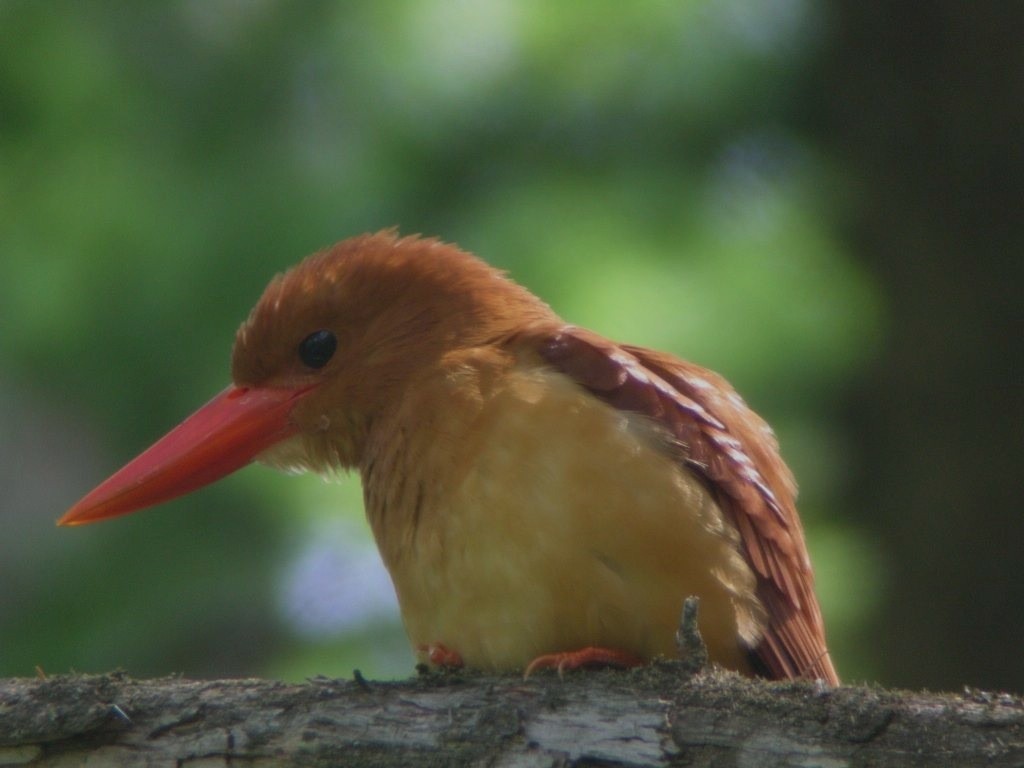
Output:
(689, 176)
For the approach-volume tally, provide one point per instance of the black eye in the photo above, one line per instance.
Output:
(317, 348)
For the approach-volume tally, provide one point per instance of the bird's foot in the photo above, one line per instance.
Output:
(440, 655)
(585, 657)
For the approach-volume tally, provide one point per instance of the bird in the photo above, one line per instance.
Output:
(540, 495)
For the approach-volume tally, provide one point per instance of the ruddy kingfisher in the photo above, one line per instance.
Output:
(541, 496)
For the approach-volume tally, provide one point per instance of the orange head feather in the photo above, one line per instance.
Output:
(395, 305)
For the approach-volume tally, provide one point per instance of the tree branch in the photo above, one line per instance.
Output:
(653, 716)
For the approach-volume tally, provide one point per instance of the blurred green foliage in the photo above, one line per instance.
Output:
(636, 165)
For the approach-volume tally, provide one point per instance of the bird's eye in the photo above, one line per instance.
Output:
(317, 348)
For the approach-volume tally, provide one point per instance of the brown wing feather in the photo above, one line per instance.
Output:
(735, 452)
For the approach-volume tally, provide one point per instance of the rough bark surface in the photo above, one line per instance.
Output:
(655, 716)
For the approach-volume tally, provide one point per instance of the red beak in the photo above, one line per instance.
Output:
(224, 435)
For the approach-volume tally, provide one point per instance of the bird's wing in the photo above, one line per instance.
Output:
(735, 453)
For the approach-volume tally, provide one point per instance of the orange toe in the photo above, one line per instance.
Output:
(441, 655)
(585, 657)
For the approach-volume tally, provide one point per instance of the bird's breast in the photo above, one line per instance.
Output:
(518, 515)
